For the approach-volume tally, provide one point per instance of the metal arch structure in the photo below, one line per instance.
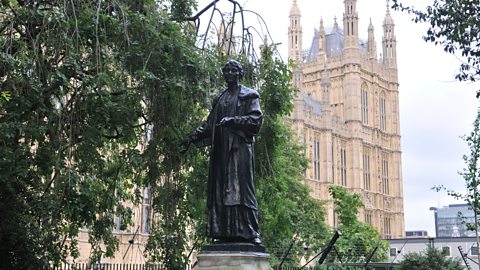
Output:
(246, 34)
(227, 26)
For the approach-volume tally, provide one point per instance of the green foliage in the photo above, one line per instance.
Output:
(5, 96)
(358, 239)
(83, 84)
(167, 68)
(430, 259)
(286, 207)
(346, 205)
(68, 113)
(453, 24)
(181, 9)
(95, 97)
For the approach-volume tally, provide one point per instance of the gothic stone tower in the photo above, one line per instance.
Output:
(347, 114)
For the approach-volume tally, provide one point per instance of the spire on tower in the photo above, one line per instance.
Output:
(294, 10)
(372, 46)
(350, 26)
(321, 39)
(389, 39)
(335, 24)
(295, 33)
(388, 18)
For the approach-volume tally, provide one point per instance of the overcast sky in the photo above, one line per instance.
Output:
(435, 110)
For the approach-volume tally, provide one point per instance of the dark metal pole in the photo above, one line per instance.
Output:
(460, 249)
(338, 254)
(325, 252)
(202, 11)
(431, 242)
(288, 250)
(329, 247)
(370, 257)
(475, 262)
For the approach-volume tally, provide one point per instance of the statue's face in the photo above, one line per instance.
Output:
(231, 74)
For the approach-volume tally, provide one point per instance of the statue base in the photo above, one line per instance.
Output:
(233, 256)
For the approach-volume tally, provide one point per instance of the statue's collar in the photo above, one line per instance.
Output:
(244, 92)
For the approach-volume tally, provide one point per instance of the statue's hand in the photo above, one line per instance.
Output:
(185, 144)
(226, 121)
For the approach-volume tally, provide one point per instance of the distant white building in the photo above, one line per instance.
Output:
(449, 245)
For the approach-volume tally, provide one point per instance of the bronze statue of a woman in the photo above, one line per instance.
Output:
(234, 120)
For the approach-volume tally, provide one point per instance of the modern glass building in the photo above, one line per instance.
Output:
(452, 220)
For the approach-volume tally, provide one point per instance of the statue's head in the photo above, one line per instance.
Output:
(231, 66)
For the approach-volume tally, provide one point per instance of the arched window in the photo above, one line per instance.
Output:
(383, 111)
(385, 179)
(366, 169)
(368, 217)
(364, 98)
(316, 157)
(387, 227)
(343, 164)
(146, 211)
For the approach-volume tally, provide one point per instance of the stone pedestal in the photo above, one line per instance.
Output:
(233, 256)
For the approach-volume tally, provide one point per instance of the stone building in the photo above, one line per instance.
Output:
(347, 114)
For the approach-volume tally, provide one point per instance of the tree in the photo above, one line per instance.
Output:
(83, 84)
(358, 239)
(95, 99)
(286, 208)
(60, 170)
(430, 259)
(453, 24)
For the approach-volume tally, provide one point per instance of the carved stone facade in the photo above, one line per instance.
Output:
(347, 115)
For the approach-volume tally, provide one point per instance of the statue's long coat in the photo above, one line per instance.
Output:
(231, 200)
